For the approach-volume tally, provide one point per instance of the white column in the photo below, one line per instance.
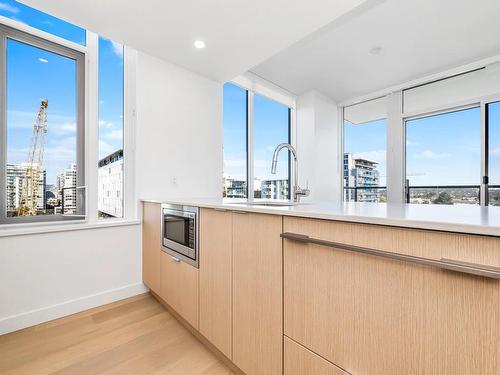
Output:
(318, 146)
(395, 149)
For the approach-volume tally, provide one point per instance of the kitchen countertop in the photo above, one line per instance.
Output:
(458, 218)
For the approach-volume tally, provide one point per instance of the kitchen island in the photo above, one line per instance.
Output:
(339, 288)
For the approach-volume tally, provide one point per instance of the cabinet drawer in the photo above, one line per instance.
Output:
(179, 288)
(300, 361)
(375, 315)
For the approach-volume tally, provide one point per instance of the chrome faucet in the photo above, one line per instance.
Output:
(297, 191)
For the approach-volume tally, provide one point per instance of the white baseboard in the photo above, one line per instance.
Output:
(27, 319)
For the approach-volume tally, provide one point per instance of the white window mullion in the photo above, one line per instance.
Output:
(250, 133)
(483, 191)
(91, 125)
(129, 134)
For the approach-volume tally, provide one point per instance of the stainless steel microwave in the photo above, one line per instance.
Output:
(180, 230)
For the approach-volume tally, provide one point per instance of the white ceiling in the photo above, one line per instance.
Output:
(239, 34)
(418, 37)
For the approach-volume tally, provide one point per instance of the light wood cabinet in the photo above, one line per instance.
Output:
(257, 293)
(301, 361)
(372, 315)
(151, 245)
(216, 278)
(179, 287)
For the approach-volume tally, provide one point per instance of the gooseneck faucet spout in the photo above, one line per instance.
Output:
(297, 191)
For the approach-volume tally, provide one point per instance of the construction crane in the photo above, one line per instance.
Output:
(30, 189)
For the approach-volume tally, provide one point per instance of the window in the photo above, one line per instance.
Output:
(271, 127)
(42, 21)
(249, 142)
(235, 142)
(42, 164)
(111, 94)
(443, 157)
(364, 159)
(493, 121)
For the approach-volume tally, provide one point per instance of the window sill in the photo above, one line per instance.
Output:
(8, 230)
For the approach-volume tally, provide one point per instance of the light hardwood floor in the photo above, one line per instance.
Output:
(133, 336)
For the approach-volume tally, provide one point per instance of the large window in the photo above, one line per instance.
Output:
(22, 13)
(364, 159)
(271, 127)
(42, 161)
(44, 149)
(235, 142)
(110, 172)
(249, 142)
(443, 158)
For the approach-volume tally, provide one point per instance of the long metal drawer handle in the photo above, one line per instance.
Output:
(447, 264)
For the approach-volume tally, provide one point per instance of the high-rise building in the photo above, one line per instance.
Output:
(110, 182)
(15, 179)
(234, 187)
(360, 173)
(66, 188)
(275, 189)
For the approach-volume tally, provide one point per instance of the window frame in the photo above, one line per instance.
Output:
(9, 32)
(457, 107)
(254, 86)
(396, 128)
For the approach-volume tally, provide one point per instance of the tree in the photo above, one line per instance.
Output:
(444, 198)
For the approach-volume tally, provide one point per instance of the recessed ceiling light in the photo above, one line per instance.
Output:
(375, 51)
(199, 44)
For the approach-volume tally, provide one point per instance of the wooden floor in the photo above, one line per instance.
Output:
(134, 336)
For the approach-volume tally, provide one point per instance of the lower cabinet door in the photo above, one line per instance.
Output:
(216, 278)
(301, 361)
(257, 294)
(151, 245)
(179, 287)
(378, 316)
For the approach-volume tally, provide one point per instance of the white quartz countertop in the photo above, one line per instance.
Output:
(458, 218)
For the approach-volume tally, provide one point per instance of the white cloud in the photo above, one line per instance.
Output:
(113, 135)
(117, 48)
(42, 60)
(429, 154)
(8, 8)
(411, 143)
(24, 119)
(64, 128)
(106, 124)
(495, 151)
(235, 163)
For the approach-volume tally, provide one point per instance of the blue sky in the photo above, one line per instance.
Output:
(270, 129)
(34, 74)
(440, 150)
(368, 141)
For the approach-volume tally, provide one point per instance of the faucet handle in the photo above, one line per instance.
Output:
(302, 192)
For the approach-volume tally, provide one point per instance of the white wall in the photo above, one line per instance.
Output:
(46, 276)
(179, 132)
(318, 146)
(178, 149)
